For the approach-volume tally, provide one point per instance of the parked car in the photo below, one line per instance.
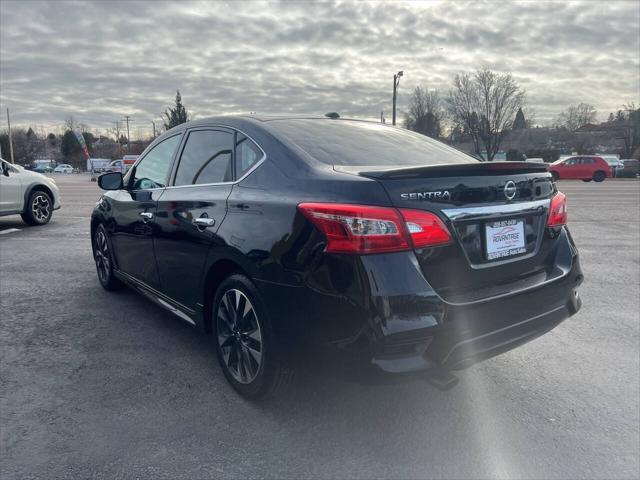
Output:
(28, 193)
(42, 169)
(43, 165)
(631, 168)
(63, 168)
(122, 165)
(614, 162)
(284, 236)
(583, 167)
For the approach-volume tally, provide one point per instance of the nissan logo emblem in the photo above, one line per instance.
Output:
(510, 190)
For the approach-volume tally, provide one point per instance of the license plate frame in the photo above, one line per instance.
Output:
(504, 239)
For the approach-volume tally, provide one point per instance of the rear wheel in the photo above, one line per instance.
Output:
(599, 176)
(39, 208)
(555, 175)
(245, 341)
(104, 260)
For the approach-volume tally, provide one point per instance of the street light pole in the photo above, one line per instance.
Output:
(396, 82)
(126, 117)
(10, 137)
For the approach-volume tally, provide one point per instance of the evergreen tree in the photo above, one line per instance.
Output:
(519, 123)
(177, 115)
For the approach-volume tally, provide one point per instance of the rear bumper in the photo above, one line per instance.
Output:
(476, 332)
(381, 314)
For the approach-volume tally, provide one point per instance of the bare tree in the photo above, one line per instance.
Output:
(485, 103)
(628, 127)
(426, 112)
(530, 116)
(576, 116)
(70, 123)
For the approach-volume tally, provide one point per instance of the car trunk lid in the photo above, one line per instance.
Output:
(479, 203)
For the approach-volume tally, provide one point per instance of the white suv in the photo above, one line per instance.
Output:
(30, 194)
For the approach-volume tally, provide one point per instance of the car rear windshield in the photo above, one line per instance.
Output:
(345, 142)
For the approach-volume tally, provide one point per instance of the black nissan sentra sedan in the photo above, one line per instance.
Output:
(386, 249)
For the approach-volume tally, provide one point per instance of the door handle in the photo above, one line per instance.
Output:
(204, 222)
(146, 216)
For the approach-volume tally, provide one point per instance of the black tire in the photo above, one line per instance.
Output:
(104, 260)
(587, 179)
(245, 342)
(555, 176)
(39, 208)
(599, 176)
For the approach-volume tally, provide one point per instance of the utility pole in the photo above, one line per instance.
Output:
(126, 117)
(116, 125)
(396, 82)
(10, 137)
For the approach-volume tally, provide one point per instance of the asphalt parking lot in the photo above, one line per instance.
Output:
(107, 385)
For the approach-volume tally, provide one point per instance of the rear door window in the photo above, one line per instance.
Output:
(247, 155)
(206, 158)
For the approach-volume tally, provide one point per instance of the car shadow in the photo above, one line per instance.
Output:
(317, 386)
(12, 221)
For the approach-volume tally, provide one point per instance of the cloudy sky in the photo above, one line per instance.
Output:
(101, 61)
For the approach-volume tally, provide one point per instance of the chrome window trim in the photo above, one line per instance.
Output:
(467, 213)
(204, 127)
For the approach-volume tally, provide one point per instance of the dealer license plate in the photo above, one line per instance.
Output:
(504, 239)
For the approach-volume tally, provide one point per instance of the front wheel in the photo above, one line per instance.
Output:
(39, 208)
(245, 340)
(599, 176)
(104, 260)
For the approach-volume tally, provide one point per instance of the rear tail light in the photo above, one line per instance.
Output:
(557, 211)
(366, 229)
(425, 228)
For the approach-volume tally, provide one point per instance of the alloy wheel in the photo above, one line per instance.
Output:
(41, 208)
(239, 336)
(103, 261)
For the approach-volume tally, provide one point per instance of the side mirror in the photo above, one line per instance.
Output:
(110, 181)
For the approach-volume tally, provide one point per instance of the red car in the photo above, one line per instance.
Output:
(583, 167)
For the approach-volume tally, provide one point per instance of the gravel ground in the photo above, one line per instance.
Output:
(107, 385)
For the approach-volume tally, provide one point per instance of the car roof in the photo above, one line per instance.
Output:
(257, 120)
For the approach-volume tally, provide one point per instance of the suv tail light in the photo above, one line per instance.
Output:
(366, 229)
(557, 211)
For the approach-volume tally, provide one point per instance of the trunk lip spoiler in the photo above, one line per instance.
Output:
(470, 168)
(471, 213)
